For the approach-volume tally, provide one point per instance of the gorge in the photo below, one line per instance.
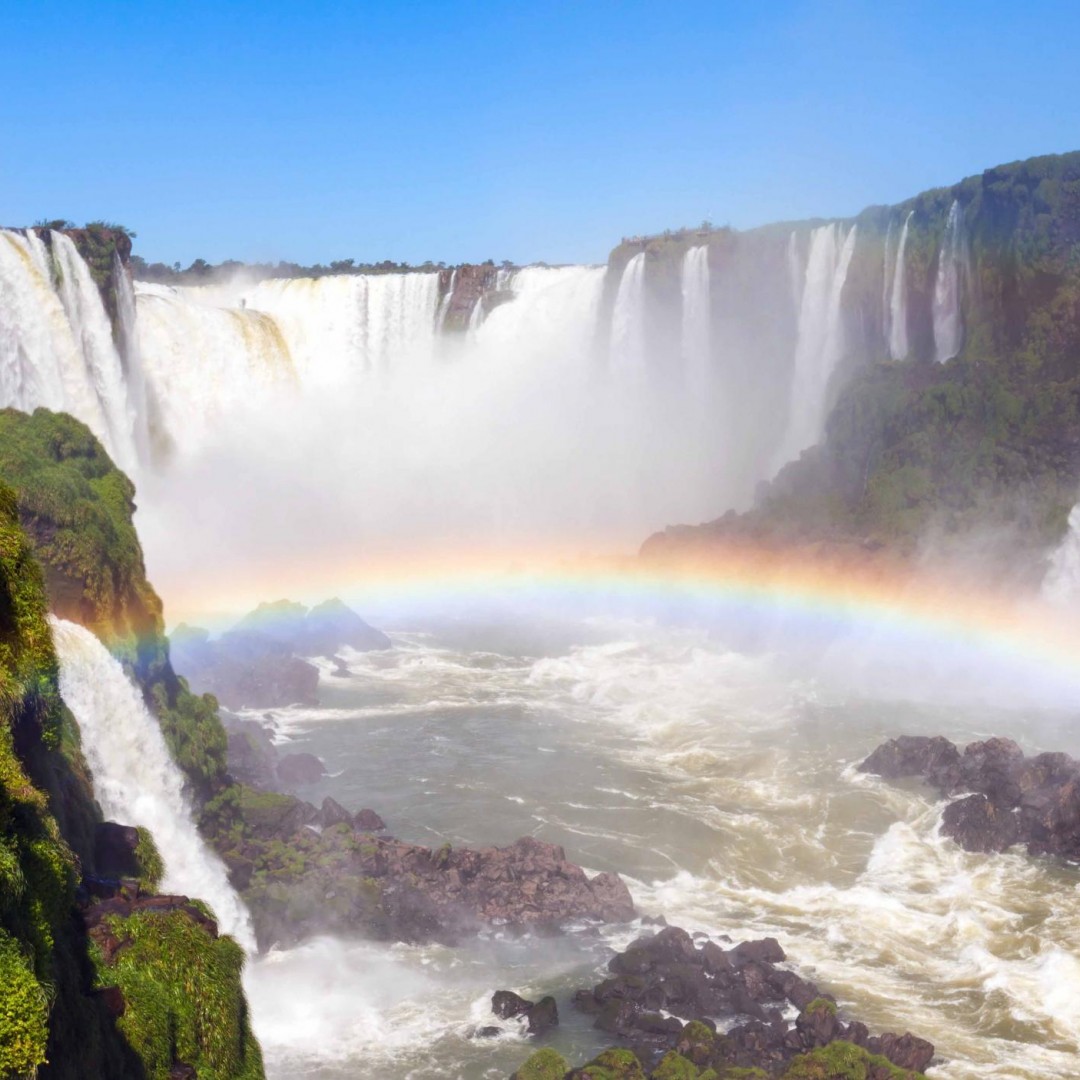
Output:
(820, 434)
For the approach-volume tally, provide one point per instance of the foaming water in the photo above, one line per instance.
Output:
(722, 785)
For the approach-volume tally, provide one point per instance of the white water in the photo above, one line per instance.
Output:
(948, 316)
(820, 337)
(135, 779)
(56, 346)
(628, 355)
(898, 333)
(696, 318)
(722, 785)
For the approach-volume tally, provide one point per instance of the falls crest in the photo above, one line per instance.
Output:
(136, 782)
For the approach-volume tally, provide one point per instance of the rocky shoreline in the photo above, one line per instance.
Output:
(684, 1007)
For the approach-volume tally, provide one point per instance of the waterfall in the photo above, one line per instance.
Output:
(56, 343)
(820, 342)
(476, 317)
(135, 779)
(948, 317)
(795, 269)
(130, 356)
(1061, 585)
(696, 316)
(898, 333)
(444, 303)
(628, 319)
(886, 283)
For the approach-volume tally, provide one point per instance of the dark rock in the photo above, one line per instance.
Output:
(332, 813)
(916, 755)
(250, 753)
(486, 1032)
(505, 1004)
(368, 821)
(112, 997)
(300, 769)
(543, 1016)
(181, 1070)
(978, 824)
(115, 850)
(666, 994)
(907, 1052)
(1016, 799)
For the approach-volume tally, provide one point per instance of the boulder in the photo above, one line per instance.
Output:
(368, 821)
(1008, 798)
(299, 769)
(116, 850)
(505, 1004)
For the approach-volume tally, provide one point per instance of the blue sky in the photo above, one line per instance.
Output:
(466, 131)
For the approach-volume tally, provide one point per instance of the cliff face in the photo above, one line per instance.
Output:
(918, 443)
(67, 1010)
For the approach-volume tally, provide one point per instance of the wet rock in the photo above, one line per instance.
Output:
(332, 813)
(666, 991)
(368, 821)
(978, 824)
(115, 849)
(505, 1004)
(543, 1016)
(933, 759)
(1035, 801)
(486, 1033)
(300, 769)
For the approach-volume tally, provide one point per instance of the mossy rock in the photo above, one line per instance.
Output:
(183, 996)
(617, 1064)
(674, 1066)
(545, 1064)
(844, 1061)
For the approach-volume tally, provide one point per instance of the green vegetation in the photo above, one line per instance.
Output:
(821, 1004)
(844, 1061)
(615, 1064)
(183, 996)
(546, 1064)
(151, 864)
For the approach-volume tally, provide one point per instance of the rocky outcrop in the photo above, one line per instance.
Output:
(259, 664)
(462, 288)
(540, 1016)
(1008, 798)
(667, 992)
(244, 669)
(340, 876)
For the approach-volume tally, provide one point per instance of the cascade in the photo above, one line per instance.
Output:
(898, 335)
(56, 344)
(476, 317)
(795, 268)
(628, 320)
(444, 303)
(1061, 585)
(130, 356)
(948, 317)
(820, 341)
(886, 283)
(136, 782)
(696, 317)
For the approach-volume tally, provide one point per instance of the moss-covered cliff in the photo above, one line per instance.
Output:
(68, 1010)
(986, 443)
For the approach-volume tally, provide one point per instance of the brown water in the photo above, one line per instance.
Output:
(723, 788)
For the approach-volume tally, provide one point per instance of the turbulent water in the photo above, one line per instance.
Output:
(136, 782)
(722, 785)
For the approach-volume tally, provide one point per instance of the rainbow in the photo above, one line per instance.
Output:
(809, 592)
